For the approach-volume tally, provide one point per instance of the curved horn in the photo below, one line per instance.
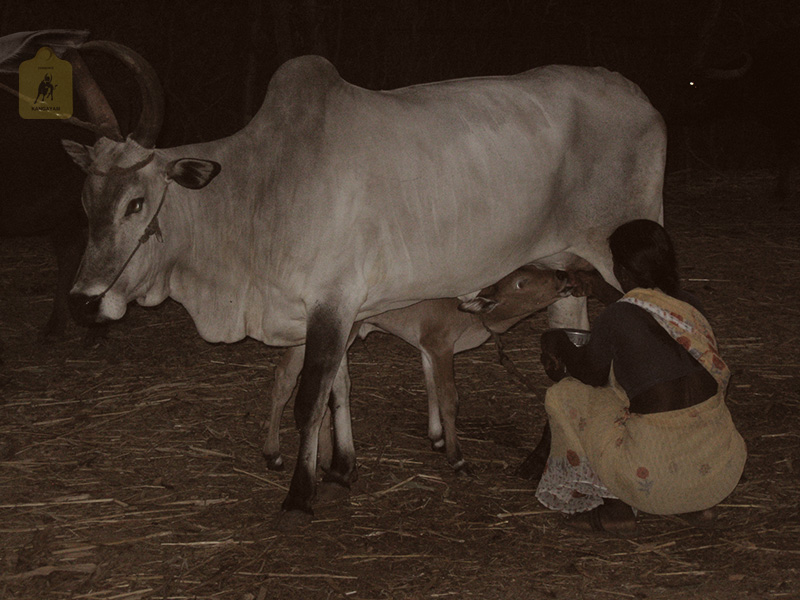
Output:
(730, 73)
(100, 112)
(152, 115)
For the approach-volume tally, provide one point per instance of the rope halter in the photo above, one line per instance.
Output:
(153, 228)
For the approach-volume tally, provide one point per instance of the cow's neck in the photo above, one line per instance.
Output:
(216, 276)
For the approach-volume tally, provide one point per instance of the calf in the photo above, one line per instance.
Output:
(438, 329)
(514, 299)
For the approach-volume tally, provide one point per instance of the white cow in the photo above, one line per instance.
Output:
(336, 203)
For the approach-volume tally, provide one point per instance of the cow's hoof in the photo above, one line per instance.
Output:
(292, 520)
(95, 335)
(437, 445)
(463, 468)
(328, 491)
(345, 479)
(274, 462)
(53, 330)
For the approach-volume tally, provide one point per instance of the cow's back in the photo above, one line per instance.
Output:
(439, 189)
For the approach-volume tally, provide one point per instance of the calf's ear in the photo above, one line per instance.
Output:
(477, 305)
(79, 153)
(193, 173)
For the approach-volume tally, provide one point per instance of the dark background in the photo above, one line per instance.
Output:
(162, 424)
(215, 58)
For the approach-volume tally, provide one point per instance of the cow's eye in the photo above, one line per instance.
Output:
(520, 283)
(134, 206)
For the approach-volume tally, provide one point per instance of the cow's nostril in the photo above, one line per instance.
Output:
(562, 275)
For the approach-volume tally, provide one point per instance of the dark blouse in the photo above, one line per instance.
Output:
(642, 352)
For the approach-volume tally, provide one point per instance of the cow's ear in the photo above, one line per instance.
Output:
(79, 153)
(193, 173)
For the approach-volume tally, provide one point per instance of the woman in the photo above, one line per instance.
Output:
(641, 422)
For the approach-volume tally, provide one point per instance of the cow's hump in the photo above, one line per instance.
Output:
(297, 92)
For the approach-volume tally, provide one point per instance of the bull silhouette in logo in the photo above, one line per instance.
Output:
(46, 88)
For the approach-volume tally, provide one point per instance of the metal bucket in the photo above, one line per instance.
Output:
(579, 337)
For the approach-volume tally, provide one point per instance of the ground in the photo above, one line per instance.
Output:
(133, 469)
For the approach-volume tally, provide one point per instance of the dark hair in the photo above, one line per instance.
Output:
(645, 250)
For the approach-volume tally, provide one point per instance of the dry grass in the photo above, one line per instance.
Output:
(133, 470)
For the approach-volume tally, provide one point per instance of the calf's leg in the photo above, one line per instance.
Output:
(435, 432)
(284, 385)
(437, 363)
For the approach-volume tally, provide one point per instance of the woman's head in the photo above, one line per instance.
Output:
(644, 256)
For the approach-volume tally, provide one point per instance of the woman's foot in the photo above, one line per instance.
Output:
(705, 519)
(532, 467)
(613, 516)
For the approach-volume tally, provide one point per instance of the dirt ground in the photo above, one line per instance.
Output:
(133, 469)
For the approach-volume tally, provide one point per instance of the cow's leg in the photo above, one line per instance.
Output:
(68, 244)
(325, 445)
(283, 386)
(326, 340)
(787, 154)
(339, 458)
(342, 460)
(568, 312)
(437, 362)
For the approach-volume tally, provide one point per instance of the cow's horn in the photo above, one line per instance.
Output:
(149, 125)
(730, 73)
(100, 112)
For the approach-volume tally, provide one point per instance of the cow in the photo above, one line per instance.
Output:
(336, 203)
(762, 86)
(41, 187)
(439, 329)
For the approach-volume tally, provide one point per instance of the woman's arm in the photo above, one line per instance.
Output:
(589, 364)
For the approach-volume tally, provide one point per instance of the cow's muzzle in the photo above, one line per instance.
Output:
(565, 282)
(85, 309)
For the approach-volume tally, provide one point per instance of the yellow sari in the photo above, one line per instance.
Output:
(663, 463)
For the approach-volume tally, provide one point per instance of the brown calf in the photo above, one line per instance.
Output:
(438, 329)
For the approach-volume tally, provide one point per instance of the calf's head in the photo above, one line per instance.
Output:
(127, 186)
(517, 295)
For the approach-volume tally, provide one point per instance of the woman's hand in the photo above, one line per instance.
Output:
(553, 365)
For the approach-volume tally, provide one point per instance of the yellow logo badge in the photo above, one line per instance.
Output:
(45, 87)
